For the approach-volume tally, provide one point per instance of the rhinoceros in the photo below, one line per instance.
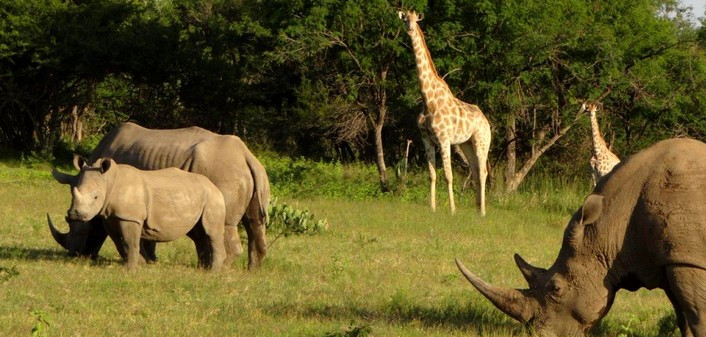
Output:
(160, 205)
(224, 159)
(644, 225)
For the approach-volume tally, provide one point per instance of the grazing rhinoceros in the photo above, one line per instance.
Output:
(161, 205)
(644, 225)
(224, 159)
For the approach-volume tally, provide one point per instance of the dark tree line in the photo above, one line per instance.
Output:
(335, 79)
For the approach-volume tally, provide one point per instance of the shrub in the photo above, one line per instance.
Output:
(286, 220)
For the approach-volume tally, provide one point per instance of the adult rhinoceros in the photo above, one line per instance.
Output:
(644, 225)
(223, 159)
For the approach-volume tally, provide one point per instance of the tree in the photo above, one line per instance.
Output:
(348, 50)
(529, 64)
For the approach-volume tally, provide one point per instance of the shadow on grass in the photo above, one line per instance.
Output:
(449, 316)
(453, 317)
(48, 254)
(32, 254)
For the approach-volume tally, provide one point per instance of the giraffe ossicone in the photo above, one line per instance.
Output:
(447, 121)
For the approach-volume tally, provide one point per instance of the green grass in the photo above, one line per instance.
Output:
(384, 267)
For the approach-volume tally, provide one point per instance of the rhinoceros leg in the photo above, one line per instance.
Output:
(681, 319)
(254, 224)
(212, 223)
(688, 285)
(96, 238)
(231, 240)
(210, 246)
(257, 246)
(148, 250)
(203, 250)
(129, 233)
(113, 229)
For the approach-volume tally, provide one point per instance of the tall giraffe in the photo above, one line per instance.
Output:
(603, 160)
(448, 121)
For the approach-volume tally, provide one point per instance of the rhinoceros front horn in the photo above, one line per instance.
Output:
(61, 238)
(510, 301)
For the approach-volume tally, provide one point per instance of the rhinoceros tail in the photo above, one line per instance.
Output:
(262, 185)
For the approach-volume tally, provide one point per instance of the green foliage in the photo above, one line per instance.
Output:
(285, 220)
(316, 78)
(42, 323)
(295, 177)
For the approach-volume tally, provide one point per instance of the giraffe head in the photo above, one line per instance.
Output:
(410, 19)
(590, 107)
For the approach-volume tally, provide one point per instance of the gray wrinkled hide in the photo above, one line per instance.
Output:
(223, 159)
(643, 226)
(161, 205)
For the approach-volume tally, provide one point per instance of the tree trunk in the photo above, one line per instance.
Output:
(377, 126)
(519, 176)
(510, 137)
(380, 155)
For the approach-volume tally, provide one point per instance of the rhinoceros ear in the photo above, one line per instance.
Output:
(79, 161)
(592, 209)
(106, 164)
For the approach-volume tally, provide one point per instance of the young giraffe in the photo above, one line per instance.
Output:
(448, 121)
(603, 160)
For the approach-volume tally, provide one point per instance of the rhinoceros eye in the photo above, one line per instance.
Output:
(555, 287)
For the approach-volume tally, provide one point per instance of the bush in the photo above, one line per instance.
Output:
(286, 220)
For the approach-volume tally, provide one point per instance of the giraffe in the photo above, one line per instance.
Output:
(447, 121)
(602, 160)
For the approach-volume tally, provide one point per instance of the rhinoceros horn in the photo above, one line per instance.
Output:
(60, 238)
(513, 302)
(530, 272)
(64, 178)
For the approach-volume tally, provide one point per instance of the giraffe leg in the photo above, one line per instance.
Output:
(482, 146)
(469, 178)
(446, 159)
(476, 150)
(431, 162)
(469, 151)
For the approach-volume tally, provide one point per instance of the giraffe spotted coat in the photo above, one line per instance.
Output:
(447, 121)
(602, 160)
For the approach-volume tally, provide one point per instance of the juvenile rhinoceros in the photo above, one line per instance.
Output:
(644, 225)
(224, 159)
(160, 205)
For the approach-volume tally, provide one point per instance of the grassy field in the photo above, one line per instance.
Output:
(382, 268)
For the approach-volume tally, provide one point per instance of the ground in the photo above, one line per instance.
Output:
(382, 268)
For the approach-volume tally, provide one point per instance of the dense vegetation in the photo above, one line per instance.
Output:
(335, 79)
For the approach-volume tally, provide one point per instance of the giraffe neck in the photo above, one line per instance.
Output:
(599, 145)
(431, 84)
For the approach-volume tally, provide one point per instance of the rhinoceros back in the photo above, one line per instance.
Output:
(148, 149)
(676, 199)
(656, 200)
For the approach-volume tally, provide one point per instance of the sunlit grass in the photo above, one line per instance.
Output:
(383, 266)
